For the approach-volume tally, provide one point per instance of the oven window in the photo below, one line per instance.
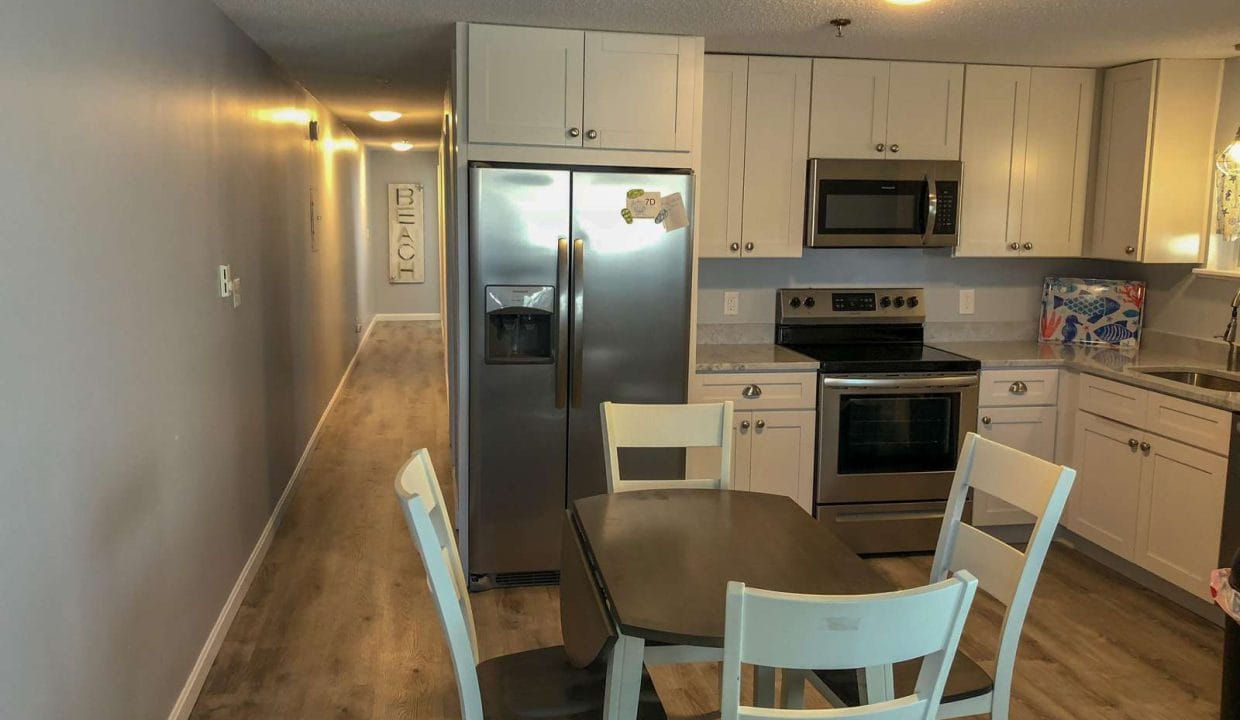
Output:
(872, 207)
(898, 433)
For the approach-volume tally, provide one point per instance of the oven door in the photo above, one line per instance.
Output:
(892, 438)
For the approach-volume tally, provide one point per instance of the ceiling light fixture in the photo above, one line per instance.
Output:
(907, 2)
(839, 24)
(385, 115)
(402, 146)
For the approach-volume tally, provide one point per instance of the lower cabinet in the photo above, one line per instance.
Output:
(1028, 429)
(1107, 492)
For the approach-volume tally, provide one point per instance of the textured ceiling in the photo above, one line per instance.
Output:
(360, 55)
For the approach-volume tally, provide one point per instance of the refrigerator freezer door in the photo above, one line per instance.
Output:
(519, 228)
(630, 338)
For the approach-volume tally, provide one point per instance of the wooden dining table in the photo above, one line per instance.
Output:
(644, 577)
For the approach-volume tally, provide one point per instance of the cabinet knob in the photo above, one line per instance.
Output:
(1129, 250)
(880, 147)
(1013, 246)
(1132, 443)
(751, 392)
(986, 420)
(744, 424)
(735, 247)
(574, 132)
(760, 424)
(1028, 246)
(592, 134)
(748, 247)
(895, 148)
(1145, 447)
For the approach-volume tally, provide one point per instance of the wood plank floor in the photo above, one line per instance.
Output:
(339, 623)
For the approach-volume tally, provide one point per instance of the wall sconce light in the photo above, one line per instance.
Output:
(1229, 160)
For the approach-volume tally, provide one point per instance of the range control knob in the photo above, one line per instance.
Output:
(885, 302)
(899, 301)
(809, 302)
(795, 302)
(913, 301)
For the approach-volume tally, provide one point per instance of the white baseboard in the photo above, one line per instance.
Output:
(405, 317)
(193, 685)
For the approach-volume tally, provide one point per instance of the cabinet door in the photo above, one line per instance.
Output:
(722, 177)
(639, 91)
(1181, 513)
(782, 455)
(996, 124)
(1123, 153)
(923, 111)
(1108, 487)
(1028, 429)
(1061, 119)
(849, 115)
(776, 156)
(525, 85)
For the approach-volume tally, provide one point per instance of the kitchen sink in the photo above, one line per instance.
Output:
(1196, 378)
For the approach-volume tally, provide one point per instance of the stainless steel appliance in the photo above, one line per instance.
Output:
(570, 305)
(883, 203)
(892, 413)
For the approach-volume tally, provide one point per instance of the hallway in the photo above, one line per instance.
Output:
(339, 623)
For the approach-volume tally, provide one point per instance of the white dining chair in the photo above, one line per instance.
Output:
(792, 631)
(700, 425)
(1009, 575)
(532, 684)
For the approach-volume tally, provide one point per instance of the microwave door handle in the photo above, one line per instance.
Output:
(932, 207)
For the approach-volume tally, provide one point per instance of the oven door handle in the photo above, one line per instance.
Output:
(943, 381)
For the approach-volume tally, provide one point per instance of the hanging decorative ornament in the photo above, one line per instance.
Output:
(1228, 202)
(1229, 160)
(839, 24)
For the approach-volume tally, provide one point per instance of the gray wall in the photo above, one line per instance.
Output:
(388, 166)
(147, 428)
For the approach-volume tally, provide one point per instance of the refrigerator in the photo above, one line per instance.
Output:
(571, 303)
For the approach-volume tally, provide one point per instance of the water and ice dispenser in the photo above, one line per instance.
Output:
(520, 324)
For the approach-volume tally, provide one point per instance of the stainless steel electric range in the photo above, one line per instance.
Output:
(892, 413)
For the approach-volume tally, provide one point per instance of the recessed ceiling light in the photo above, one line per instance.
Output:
(385, 115)
(402, 146)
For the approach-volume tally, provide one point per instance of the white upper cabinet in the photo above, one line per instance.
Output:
(573, 88)
(776, 156)
(877, 109)
(1155, 156)
(720, 183)
(639, 91)
(525, 85)
(1025, 149)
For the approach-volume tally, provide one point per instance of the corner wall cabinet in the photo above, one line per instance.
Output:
(874, 109)
(575, 88)
(755, 127)
(1155, 161)
(773, 447)
(1150, 482)
(1025, 146)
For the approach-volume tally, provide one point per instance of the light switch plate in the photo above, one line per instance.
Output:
(967, 302)
(731, 302)
(225, 280)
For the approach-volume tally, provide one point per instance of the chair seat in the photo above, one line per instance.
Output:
(543, 684)
(966, 680)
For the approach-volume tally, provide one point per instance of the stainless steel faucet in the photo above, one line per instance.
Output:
(1229, 335)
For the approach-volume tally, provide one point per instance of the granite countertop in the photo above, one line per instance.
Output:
(1158, 351)
(761, 357)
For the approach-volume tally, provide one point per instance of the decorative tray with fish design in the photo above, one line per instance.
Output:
(1091, 311)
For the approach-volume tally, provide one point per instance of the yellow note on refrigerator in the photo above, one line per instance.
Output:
(644, 204)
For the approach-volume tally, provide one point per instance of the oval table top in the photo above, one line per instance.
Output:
(664, 557)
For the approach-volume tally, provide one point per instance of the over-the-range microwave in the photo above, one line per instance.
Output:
(882, 203)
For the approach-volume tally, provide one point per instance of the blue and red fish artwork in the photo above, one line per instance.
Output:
(1090, 311)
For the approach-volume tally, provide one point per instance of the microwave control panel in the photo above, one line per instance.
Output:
(948, 192)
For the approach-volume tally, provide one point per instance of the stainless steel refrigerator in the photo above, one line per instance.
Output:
(570, 305)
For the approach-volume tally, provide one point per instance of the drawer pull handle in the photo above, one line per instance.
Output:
(751, 392)
(1018, 388)
(1132, 443)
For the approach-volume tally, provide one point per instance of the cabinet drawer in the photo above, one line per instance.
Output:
(774, 391)
(1000, 388)
(1190, 423)
(1117, 401)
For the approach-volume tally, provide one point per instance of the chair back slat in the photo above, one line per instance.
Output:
(421, 498)
(787, 630)
(996, 565)
(1012, 476)
(700, 425)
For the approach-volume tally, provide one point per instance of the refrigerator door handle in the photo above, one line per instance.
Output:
(579, 260)
(561, 336)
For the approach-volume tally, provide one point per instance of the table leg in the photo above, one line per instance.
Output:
(763, 686)
(624, 678)
(876, 684)
(792, 689)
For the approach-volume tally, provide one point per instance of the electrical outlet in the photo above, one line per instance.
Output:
(731, 302)
(967, 302)
(225, 280)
